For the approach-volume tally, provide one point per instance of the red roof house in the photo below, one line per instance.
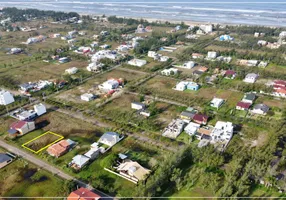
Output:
(60, 148)
(83, 194)
(230, 74)
(21, 127)
(243, 105)
(200, 119)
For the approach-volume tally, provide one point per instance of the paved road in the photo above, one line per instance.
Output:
(49, 167)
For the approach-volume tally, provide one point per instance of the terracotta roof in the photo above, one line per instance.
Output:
(280, 90)
(18, 125)
(203, 69)
(82, 194)
(243, 104)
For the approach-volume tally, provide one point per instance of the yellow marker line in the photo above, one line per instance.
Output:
(48, 132)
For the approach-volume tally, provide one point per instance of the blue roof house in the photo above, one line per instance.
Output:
(193, 86)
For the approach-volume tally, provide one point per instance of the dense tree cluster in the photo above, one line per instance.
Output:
(16, 14)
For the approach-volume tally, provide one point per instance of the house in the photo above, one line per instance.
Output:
(263, 64)
(183, 85)
(279, 87)
(4, 160)
(123, 48)
(230, 74)
(104, 46)
(187, 65)
(216, 102)
(109, 138)
(82, 33)
(174, 129)
(72, 70)
(206, 28)
(83, 194)
(192, 128)
(72, 41)
(252, 63)
(243, 106)
(192, 86)
(61, 148)
(225, 38)
(79, 161)
(282, 34)
(137, 62)
(138, 105)
(222, 132)
(251, 78)
(168, 72)
(262, 42)
(187, 116)
(256, 34)
(64, 60)
(26, 115)
(40, 109)
(260, 109)
(6, 97)
(104, 33)
(200, 119)
(163, 58)
(133, 171)
(152, 54)
(203, 69)
(197, 56)
(20, 128)
(212, 55)
(249, 98)
(94, 67)
(15, 50)
(87, 97)
(110, 84)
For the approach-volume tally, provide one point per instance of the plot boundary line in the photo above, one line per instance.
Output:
(43, 148)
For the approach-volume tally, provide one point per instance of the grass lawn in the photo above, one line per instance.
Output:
(23, 179)
(192, 193)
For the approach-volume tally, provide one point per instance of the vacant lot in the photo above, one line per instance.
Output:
(91, 86)
(42, 142)
(22, 179)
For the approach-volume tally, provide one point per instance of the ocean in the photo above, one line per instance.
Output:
(253, 12)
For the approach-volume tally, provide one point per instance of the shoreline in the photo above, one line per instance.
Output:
(187, 22)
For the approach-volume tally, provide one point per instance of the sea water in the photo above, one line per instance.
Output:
(252, 12)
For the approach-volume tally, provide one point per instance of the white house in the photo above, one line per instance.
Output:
(72, 70)
(192, 128)
(187, 65)
(282, 34)
(152, 54)
(138, 105)
(6, 97)
(40, 109)
(251, 78)
(109, 84)
(168, 72)
(137, 62)
(181, 86)
(212, 55)
(109, 138)
(207, 28)
(216, 102)
(174, 129)
(87, 97)
(222, 132)
(94, 67)
(123, 48)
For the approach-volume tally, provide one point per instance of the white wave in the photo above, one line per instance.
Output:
(235, 10)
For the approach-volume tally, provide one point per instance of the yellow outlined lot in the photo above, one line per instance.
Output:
(48, 132)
